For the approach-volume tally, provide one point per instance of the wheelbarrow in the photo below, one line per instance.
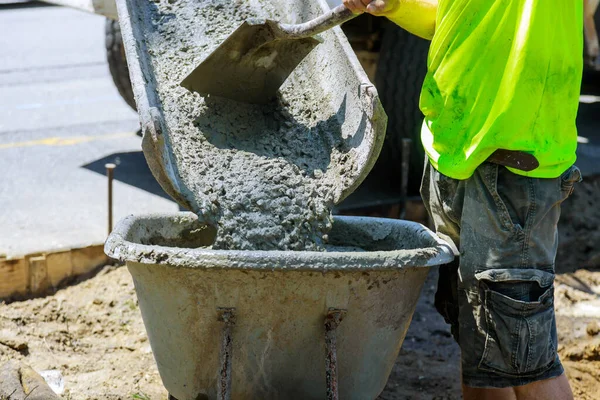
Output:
(228, 324)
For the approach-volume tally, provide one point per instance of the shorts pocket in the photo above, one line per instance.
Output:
(519, 324)
(568, 180)
(511, 194)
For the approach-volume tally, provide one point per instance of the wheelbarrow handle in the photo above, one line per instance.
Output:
(333, 18)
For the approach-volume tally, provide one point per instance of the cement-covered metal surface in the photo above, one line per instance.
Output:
(280, 300)
(182, 240)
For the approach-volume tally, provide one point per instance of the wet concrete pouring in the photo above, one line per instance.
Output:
(267, 175)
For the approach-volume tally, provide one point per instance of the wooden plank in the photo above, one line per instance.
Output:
(35, 274)
(60, 267)
(14, 277)
(86, 259)
(38, 275)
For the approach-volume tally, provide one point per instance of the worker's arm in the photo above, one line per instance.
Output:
(416, 16)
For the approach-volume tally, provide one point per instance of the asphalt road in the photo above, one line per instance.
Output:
(61, 120)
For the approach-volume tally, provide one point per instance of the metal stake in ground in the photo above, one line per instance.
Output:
(110, 168)
(406, 143)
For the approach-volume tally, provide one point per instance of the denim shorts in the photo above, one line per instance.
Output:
(498, 294)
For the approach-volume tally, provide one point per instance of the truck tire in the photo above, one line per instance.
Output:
(400, 72)
(117, 63)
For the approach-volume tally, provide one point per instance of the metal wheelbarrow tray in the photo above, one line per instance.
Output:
(264, 324)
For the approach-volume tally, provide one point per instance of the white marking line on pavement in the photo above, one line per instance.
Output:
(31, 106)
(65, 141)
(48, 67)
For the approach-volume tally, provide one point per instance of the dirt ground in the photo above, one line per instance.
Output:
(93, 333)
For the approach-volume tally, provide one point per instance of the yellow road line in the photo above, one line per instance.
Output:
(65, 141)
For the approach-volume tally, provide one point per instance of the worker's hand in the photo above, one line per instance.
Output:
(375, 7)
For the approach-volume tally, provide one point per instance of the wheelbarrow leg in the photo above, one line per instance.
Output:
(227, 316)
(332, 321)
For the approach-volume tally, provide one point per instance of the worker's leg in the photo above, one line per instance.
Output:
(504, 321)
(507, 329)
(444, 197)
(555, 388)
(470, 393)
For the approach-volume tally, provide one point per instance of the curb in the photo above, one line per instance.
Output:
(41, 273)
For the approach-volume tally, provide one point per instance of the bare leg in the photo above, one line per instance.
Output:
(552, 389)
(549, 389)
(470, 393)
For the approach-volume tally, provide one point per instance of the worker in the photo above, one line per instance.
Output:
(500, 99)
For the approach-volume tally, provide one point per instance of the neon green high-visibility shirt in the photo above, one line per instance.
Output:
(503, 74)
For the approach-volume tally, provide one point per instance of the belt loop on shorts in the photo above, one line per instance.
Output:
(514, 159)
